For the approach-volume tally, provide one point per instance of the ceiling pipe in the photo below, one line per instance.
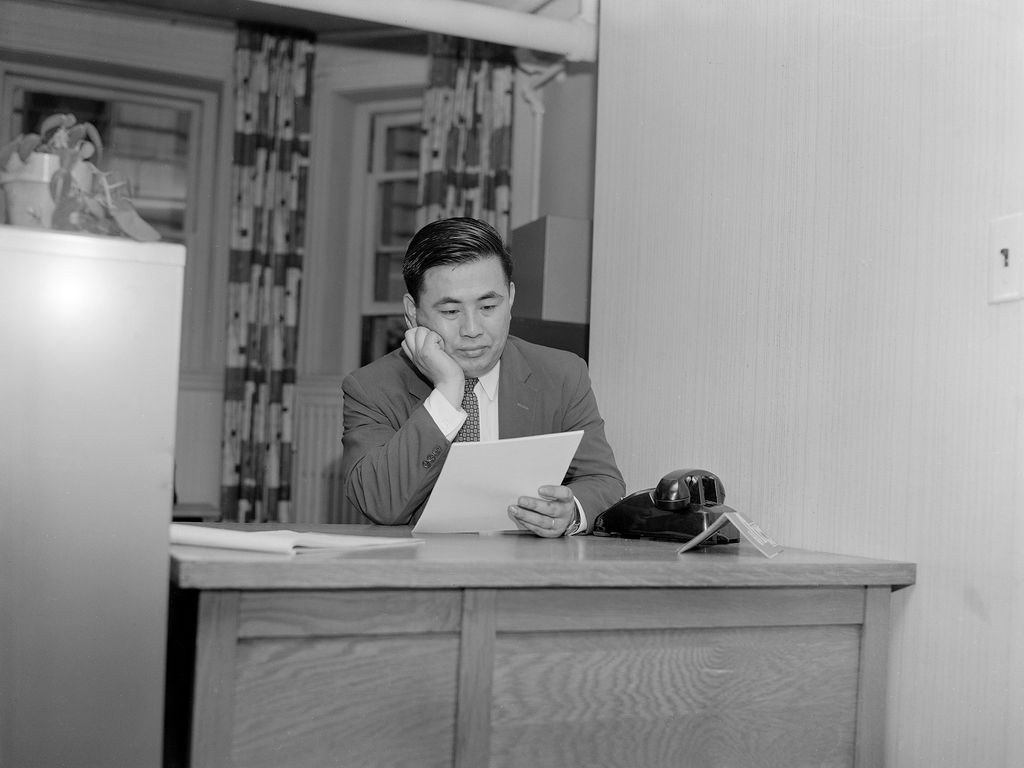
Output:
(529, 88)
(575, 39)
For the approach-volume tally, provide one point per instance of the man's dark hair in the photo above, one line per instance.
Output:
(451, 241)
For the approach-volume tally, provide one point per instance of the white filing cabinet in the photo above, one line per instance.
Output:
(89, 343)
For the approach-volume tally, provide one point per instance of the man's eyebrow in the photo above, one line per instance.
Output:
(446, 300)
(482, 297)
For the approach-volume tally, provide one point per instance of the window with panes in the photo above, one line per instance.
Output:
(392, 183)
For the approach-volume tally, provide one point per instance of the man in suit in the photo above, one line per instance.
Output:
(402, 412)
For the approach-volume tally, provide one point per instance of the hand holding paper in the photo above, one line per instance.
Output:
(549, 513)
(479, 481)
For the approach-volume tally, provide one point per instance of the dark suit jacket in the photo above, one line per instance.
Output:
(393, 450)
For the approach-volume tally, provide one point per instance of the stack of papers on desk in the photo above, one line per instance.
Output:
(281, 541)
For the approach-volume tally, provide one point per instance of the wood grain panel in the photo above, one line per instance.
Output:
(874, 669)
(476, 661)
(294, 613)
(214, 686)
(559, 609)
(752, 698)
(526, 561)
(356, 702)
(385, 572)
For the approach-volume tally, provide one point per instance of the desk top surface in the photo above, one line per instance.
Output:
(446, 561)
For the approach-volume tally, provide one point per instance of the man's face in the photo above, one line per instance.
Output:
(469, 306)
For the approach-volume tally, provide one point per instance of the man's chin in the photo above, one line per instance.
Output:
(476, 373)
(477, 367)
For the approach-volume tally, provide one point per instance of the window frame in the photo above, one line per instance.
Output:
(372, 121)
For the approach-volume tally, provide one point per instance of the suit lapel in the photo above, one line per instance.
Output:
(518, 399)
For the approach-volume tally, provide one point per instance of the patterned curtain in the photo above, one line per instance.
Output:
(466, 151)
(272, 92)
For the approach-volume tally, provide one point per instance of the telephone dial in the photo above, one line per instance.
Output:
(683, 504)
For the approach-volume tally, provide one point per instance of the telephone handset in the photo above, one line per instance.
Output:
(683, 504)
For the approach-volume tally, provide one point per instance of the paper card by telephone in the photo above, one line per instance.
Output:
(749, 530)
(480, 480)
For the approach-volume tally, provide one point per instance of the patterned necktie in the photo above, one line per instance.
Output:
(470, 432)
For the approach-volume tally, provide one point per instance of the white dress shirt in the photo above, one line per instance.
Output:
(450, 419)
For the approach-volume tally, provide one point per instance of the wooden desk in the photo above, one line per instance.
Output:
(517, 651)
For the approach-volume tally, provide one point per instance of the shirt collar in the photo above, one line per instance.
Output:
(489, 382)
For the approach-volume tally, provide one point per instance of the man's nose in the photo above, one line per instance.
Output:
(471, 324)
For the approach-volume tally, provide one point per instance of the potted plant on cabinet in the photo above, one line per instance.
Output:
(51, 179)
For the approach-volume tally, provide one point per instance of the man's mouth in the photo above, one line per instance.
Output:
(474, 352)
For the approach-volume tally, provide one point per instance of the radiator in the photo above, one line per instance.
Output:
(318, 483)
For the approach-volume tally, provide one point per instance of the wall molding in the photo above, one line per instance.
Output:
(116, 39)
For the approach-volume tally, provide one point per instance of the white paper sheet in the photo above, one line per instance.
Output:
(480, 480)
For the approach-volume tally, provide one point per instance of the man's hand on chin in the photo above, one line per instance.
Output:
(426, 350)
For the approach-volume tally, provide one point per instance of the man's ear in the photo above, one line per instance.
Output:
(511, 294)
(410, 311)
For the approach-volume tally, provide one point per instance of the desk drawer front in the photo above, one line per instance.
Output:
(657, 677)
(767, 696)
(356, 612)
(551, 609)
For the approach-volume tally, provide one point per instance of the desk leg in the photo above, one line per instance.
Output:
(476, 672)
(214, 691)
(869, 745)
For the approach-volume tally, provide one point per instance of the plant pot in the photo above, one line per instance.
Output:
(27, 189)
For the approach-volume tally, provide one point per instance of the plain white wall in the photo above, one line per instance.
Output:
(790, 289)
(566, 185)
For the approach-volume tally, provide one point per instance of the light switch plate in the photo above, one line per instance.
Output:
(1006, 259)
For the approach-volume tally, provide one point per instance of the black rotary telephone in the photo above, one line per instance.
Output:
(684, 504)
